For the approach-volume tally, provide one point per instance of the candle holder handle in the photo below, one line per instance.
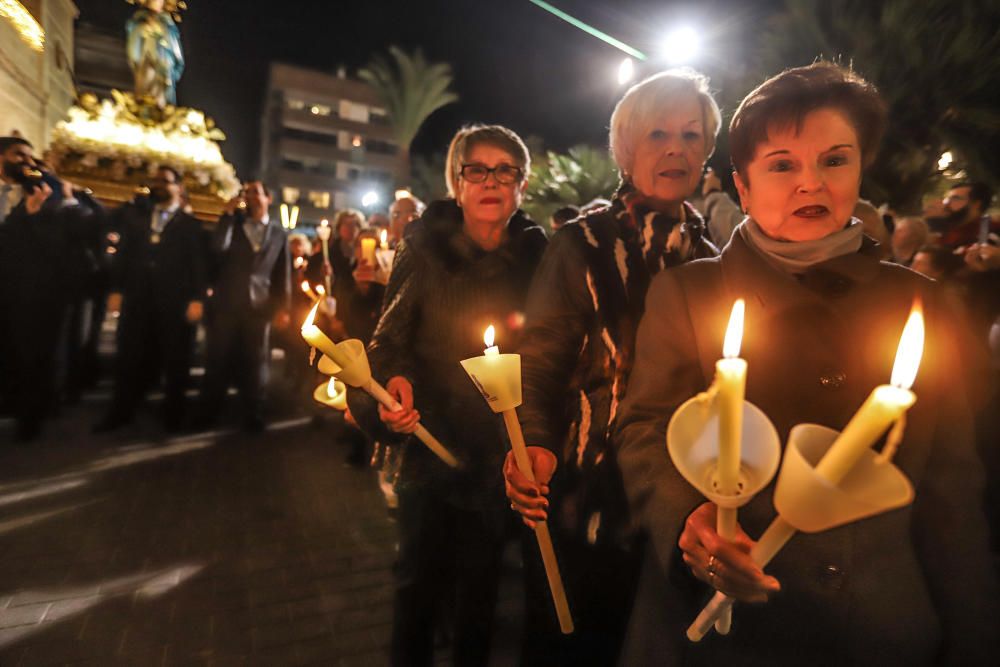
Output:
(379, 393)
(541, 527)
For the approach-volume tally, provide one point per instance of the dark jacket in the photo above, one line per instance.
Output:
(171, 271)
(577, 354)
(248, 279)
(909, 587)
(443, 292)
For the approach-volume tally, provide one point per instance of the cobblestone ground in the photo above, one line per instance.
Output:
(213, 549)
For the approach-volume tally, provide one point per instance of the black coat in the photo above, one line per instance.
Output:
(913, 586)
(172, 272)
(443, 292)
(259, 280)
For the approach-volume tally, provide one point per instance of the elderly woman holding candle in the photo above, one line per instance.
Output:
(909, 587)
(465, 264)
(582, 315)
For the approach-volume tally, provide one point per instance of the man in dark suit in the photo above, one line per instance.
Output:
(158, 282)
(42, 227)
(252, 287)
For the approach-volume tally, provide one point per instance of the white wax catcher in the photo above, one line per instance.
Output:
(693, 444)
(498, 379)
(355, 370)
(811, 503)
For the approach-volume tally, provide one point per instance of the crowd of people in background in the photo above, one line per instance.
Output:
(613, 309)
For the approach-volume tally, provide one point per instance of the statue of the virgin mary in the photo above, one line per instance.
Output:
(153, 43)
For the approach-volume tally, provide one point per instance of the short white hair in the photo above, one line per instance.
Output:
(645, 102)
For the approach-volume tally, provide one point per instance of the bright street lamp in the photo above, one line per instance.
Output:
(681, 45)
(626, 71)
(370, 198)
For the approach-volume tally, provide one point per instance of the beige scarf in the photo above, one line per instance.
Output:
(798, 256)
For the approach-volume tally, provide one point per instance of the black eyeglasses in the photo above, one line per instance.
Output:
(504, 174)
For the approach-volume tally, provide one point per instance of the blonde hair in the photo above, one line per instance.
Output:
(645, 102)
(473, 135)
(343, 214)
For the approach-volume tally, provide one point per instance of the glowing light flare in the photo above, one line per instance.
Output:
(294, 218)
(402, 194)
(305, 286)
(626, 71)
(681, 45)
(910, 350)
(734, 332)
(590, 30)
(320, 290)
(489, 335)
(370, 198)
(24, 23)
(383, 238)
(945, 160)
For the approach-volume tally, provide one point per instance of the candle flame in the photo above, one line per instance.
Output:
(305, 286)
(384, 235)
(489, 335)
(324, 222)
(312, 316)
(734, 332)
(320, 290)
(910, 350)
(331, 388)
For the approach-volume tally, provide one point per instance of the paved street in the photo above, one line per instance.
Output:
(212, 549)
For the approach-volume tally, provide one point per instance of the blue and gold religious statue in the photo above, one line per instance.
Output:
(153, 43)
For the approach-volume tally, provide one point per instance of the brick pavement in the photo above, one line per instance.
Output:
(221, 549)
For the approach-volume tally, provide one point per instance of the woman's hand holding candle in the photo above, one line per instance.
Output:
(527, 497)
(724, 564)
(407, 419)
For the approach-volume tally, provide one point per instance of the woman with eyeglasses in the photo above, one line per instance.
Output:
(464, 265)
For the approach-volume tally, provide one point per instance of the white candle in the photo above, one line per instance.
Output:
(368, 250)
(731, 379)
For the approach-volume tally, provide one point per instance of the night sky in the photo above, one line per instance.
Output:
(514, 63)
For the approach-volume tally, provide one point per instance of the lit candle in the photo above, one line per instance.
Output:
(385, 239)
(498, 378)
(316, 338)
(731, 381)
(886, 405)
(332, 394)
(323, 232)
(308, 290)
(491, 349)
(368, 250)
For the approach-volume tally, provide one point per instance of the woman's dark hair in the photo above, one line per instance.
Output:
(784, 100)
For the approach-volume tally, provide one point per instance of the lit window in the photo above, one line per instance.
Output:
(356, 141)
(297, 105)
(319, 199)
(320, 110)
(290, 195)
(353, 111)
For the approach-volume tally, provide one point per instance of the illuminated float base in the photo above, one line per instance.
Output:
(114, 146)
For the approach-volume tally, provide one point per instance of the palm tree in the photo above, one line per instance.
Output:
(577, 177)
(936, 63)
(411, 89)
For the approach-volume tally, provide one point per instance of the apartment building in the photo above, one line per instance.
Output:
(325, 144)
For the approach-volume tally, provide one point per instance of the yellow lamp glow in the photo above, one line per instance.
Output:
(24, 23)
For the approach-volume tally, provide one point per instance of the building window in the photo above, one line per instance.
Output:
(320, 110)
(353, 111)
(295, 105)
(290, 195)
(378, 116)
(356, 141)
(319, 199)
(348, 172)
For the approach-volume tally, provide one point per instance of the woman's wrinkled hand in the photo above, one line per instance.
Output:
(724, 565)
(407, 419)
(527, 497)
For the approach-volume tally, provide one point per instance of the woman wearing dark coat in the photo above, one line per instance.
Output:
(465, 264)
(583, 311)
(913, 586)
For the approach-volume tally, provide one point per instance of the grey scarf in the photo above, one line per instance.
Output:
(798, 256)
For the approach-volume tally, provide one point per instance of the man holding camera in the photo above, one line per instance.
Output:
(251, 289)
(43, 227)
